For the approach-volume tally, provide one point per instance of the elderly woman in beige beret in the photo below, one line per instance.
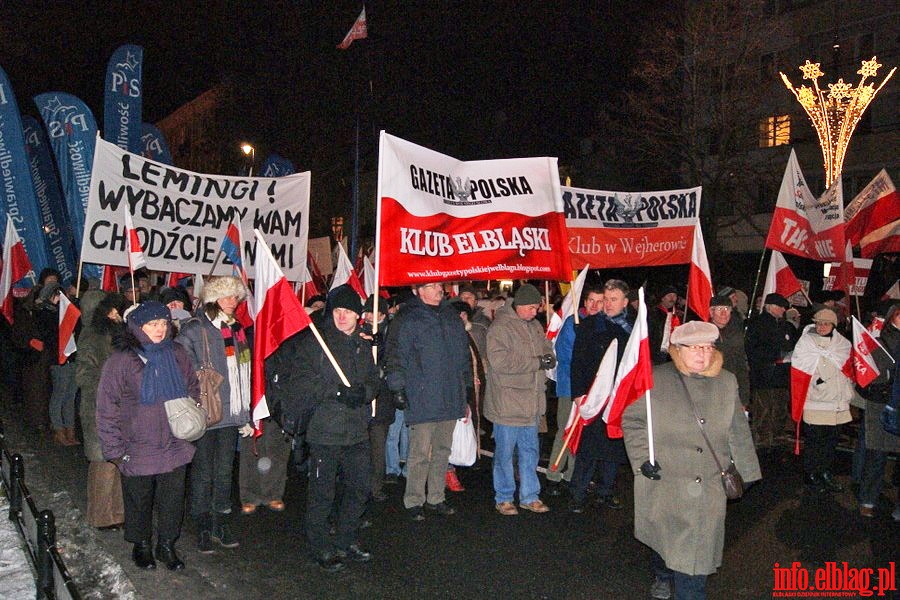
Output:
(679, 503)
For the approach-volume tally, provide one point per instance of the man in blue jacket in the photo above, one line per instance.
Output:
(428, 370)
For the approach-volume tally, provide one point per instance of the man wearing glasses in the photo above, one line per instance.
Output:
(428, 370)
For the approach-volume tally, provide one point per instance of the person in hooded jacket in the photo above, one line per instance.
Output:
(105, 508)
(338, 434)
(145, 371)
(214, 327)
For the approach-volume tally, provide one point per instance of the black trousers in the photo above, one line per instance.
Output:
(142, 493)
(353, 464)
(377, 438)
(820, 443)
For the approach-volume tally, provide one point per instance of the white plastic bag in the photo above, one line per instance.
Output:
(464, 449)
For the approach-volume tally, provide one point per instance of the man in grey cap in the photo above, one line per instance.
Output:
(518, 353)
(769, 339)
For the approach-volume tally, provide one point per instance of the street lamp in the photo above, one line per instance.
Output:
(249, 151)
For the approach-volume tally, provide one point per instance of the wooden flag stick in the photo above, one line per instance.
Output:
(566, 441)
(650, 431)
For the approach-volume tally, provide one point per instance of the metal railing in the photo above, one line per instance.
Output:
(37, 528)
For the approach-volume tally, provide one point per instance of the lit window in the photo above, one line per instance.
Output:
(775, 131)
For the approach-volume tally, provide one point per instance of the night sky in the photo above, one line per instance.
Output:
(474, 80)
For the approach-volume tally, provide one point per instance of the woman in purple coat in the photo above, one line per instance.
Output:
(147, 369)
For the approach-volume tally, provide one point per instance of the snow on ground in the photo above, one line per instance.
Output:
(17, 579)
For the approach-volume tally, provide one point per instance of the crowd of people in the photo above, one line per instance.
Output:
(380, 399)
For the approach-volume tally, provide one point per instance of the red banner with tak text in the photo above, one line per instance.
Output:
(499, 245)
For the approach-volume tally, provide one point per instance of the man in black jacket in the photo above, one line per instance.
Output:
(338, 430)
(769, 338)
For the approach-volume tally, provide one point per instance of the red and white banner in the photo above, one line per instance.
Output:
(181, 216)
(861, 268)
(15, 267)
(442, 219)
(629, 229)
(68, 318)
(280, 315)
(803, 225)
(863, 363)
(779, 278)
(699, 278)
(873, 218)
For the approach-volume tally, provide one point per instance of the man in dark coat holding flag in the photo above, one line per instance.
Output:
(592, 338)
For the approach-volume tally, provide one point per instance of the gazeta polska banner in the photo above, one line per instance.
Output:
(442, 219)
(122, 98)
(182, 216)
(628, 229)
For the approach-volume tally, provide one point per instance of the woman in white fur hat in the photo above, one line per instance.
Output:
(229, 353)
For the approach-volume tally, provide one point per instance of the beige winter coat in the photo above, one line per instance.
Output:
(682, 516)
(515, 380)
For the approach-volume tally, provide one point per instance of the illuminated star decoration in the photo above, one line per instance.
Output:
(836, 115)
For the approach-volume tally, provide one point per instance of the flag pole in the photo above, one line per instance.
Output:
(756, 286)
(650, 430)
(547, 306)
(566, 441)
(78, 282)
(687, 294)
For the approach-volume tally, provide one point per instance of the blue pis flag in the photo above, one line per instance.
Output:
(276, 166)
(153, 144)
(54, 220)
(72, 132)
(122, 98)
(15, 178)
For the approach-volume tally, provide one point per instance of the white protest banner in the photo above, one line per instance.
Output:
(628, 229)
(182, 216)
(442, 219)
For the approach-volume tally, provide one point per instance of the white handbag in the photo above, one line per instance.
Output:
(187, 419)
(464, 450)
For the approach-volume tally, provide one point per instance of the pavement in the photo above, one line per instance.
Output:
(473, 554)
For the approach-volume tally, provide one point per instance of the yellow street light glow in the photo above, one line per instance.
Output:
(247, 149)
(836, 114)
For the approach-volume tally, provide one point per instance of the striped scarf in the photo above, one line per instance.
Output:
(237, 357)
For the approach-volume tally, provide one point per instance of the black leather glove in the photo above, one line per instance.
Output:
(650, 470)
(377, 339)
(352, 396)
(548, 361)
(400, 400)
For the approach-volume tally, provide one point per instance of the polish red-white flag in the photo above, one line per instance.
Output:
(279, 316)
(16, 267)
(68, 319)
(587, 408)
(345, 273)
(369, 277)
(779, 278)
(803, 225)
(306, 288)
(135, 253)
(864, 344)
(569, 305)
(358, 31)
(873, 218)
(804, 359)
(893, 292)
(634, 375)
(699, 278)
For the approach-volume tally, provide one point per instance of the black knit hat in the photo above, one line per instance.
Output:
(148, 311)
(345, 297)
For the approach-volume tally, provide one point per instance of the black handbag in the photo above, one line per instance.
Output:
(731, 479)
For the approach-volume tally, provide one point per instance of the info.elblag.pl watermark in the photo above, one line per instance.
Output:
(834, 580)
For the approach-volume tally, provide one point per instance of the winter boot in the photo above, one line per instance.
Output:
(142, 555)
(165, 553)
(204, 534)
(221, 533)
